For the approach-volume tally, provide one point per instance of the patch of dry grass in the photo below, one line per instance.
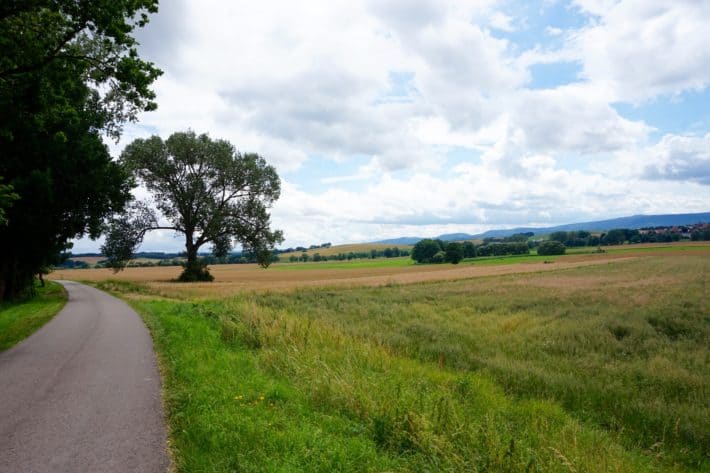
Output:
(233, 279)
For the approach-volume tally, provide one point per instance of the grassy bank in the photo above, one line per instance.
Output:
(18, 320)
(589, 369)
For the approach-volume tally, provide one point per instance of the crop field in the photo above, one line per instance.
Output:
(233, 279)
(355, 248)
(594, 362)
(90, 260)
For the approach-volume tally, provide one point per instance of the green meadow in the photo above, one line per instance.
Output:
(597, 368)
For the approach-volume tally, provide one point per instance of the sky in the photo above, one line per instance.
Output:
(391, 118)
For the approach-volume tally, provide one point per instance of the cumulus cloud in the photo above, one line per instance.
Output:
(641, 49)
(679, 158)
(573, 118)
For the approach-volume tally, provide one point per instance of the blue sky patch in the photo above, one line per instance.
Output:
(689, 112)
(549, 76)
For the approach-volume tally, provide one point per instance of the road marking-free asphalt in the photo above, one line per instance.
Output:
(82, 394)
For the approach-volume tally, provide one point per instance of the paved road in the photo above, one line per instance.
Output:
(83, 393)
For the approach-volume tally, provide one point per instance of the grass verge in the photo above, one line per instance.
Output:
(18, 320)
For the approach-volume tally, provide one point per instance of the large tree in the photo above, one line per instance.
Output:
(207, 191)
(69, 73)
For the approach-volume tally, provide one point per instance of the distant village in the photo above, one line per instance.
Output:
(695, 231)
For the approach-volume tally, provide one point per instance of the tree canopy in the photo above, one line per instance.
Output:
(7, 197)
(551, 247)
(437, 251)
(94, 39)
(207, 191)
(69, 73)
(454, 252)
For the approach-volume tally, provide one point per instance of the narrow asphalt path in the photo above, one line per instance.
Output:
(82, 394)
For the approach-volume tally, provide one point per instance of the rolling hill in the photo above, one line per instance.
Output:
(634, 221)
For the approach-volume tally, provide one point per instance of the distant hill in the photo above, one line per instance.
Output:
(400, 241)
(635, 221)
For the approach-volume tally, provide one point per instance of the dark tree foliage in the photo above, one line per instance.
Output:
(519, 237)
(551, 247)
(502, 249)
(439, 257)
(424, 250)
(93, 37)
(559, 236)
(436, 251)
(616, 237)
(69, 72)
(7, 197)
(469, 249)
(701, 235)
(454, 252)
(207, 191)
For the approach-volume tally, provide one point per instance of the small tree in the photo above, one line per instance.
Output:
(469, 249)
(551, 247)
(425, 250)
(454, 252)
(559, 236)
(207, 191)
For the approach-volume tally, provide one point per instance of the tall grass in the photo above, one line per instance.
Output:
(592, 369)
(622, 347)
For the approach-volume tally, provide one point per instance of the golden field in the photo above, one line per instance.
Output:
(235, 278)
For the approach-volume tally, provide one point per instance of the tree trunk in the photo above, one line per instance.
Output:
(194, 270)
(191, 251)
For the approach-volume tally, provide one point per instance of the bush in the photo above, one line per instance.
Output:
(551, 247)
(195, 272)
(439, 257)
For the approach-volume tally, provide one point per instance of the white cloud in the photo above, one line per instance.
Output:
(501, 21)
(400, 83)
(573, 118)
(679, 158)
(640, 49)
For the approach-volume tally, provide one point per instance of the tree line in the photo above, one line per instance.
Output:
(394, 252)
(620, 236)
